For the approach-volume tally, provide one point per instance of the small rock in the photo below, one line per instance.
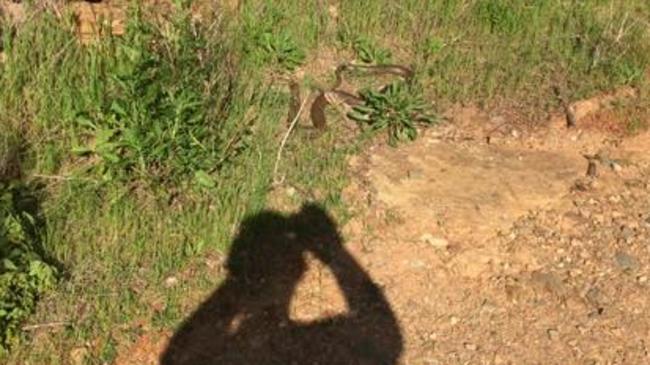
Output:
(642, 279)
(454, 320)
(626, 262)
(553, 334)
(471, 346)
(615, 199)
(291, 191)
(171, 282)
(595, 296)
(435, 242)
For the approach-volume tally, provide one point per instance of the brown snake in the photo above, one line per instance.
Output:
(333, 95)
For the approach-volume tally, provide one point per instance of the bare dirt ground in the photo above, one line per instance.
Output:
(506, 253)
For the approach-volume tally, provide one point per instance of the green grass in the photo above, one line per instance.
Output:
(153, 146)
(493, 49)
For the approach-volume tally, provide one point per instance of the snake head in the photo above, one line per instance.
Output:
(342, 67)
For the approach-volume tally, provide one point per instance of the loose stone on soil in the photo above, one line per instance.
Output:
(435, 242)
(626, 262)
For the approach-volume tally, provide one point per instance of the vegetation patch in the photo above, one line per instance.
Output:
(398, 108)
(165, 116)
(24, 273)
(369, 52)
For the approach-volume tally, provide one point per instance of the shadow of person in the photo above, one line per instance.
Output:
(246, 320)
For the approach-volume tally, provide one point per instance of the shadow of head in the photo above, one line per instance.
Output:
(246, 320)
(271, 245)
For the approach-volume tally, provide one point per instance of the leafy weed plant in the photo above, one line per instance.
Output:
(267, 41)
(280, 49)
(398, 109)
(165, 119)
(369, 52)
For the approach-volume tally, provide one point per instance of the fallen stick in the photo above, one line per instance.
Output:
(284, 141)
(33, 327)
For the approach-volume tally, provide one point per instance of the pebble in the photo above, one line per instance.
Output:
(435, 242)
(454, 320)
(573, 343)
(470, 346)
(171, 281)
(626, 262)
(614, 199)
(553, 334)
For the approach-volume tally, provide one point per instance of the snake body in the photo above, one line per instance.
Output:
(295, 102)
(336, 97)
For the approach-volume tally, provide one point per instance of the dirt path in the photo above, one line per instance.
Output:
(505, 253)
